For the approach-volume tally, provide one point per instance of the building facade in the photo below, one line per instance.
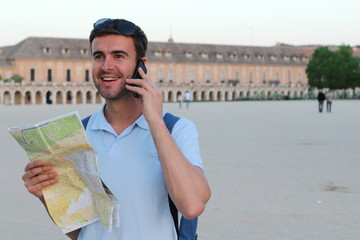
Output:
(58, 71)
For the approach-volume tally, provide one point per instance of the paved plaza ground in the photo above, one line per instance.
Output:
(279, 170)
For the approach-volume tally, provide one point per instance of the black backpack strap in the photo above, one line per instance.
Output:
(170, 121)
(85, 121)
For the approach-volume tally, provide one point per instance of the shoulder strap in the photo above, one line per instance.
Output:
(85, 121)
(170, 121)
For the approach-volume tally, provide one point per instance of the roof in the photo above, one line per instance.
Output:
(78, 49)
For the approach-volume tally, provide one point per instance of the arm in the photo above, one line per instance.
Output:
(187, 185)
(38, 176)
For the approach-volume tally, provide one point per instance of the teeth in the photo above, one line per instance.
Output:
(109, 79)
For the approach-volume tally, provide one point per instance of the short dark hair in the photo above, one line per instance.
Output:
(138, 35)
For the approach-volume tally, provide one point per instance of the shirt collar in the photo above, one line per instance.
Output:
(100, 121)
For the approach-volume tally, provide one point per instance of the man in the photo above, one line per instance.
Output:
(329, 97)
(321, 98)
(139, 161)
(187, 98)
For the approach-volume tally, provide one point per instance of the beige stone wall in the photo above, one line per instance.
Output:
(78, 91)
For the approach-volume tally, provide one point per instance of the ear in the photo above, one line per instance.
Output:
(144, 59)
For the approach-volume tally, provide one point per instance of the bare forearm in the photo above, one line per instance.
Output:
(186, 183)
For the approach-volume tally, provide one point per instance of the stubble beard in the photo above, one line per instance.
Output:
(109, 93)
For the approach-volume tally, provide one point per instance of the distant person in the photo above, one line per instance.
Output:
(180, 99)
(321, 98)
(187, 98)
(329, 97)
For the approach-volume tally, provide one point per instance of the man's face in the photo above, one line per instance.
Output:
(114, 60)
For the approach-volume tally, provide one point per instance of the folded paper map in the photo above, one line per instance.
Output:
(79, 198)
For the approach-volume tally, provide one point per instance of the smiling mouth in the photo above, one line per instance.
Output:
(109, 79)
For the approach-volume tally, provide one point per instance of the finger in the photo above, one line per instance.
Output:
(37, 189)
(33, 164)
(36, 171)
(40, 181)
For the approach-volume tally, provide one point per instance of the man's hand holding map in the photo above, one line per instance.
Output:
(79, 198)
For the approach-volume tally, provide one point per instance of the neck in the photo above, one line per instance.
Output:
(120, 114)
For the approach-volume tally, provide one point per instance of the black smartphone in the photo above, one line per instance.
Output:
(136, 74)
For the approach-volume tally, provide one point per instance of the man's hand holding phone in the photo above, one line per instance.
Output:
(152, 95)
(136, 75)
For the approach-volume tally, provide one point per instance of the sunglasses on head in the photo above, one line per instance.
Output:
(122, 26)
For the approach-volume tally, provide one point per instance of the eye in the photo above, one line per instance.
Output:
(98, 57)
(119, 56)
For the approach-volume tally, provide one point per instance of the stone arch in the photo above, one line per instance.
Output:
(49, 97)
(269, 94)
(219, 96)
(203, 96)
(211, 96)
(79, 99)
(233, 95)
(178, 95)
(171, 96)
(17, 98)
(69, 97)
(295, 94)
(27, 98)
(7, 98)
(59, 97)
(38, 97)
(89, 97)
(226, 96)
(195, 96)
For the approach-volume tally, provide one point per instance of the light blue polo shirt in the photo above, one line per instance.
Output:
(130, 168)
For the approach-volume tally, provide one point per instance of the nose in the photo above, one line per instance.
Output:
(107, 65)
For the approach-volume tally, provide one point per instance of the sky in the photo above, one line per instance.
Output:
(228, 22)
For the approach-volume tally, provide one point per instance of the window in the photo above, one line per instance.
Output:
(157, 54)
(237, 76)
(222, 77)
(84, 51)
(188, 54)
(47, 50)
(49, 75)
(65, 51)
(289, 76)
(168, 54)
(171, 76)
(161, 76)
(264, 77)
(32, 75)
(247, 56)
(274, 58)
(251, 77)
(68, 75)
(277, 76)
(219, 56)
(87, 75)
(299, 78)
(208, 77)
(192, 76)
(204, 55)
(233, 56)
(295, 58)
